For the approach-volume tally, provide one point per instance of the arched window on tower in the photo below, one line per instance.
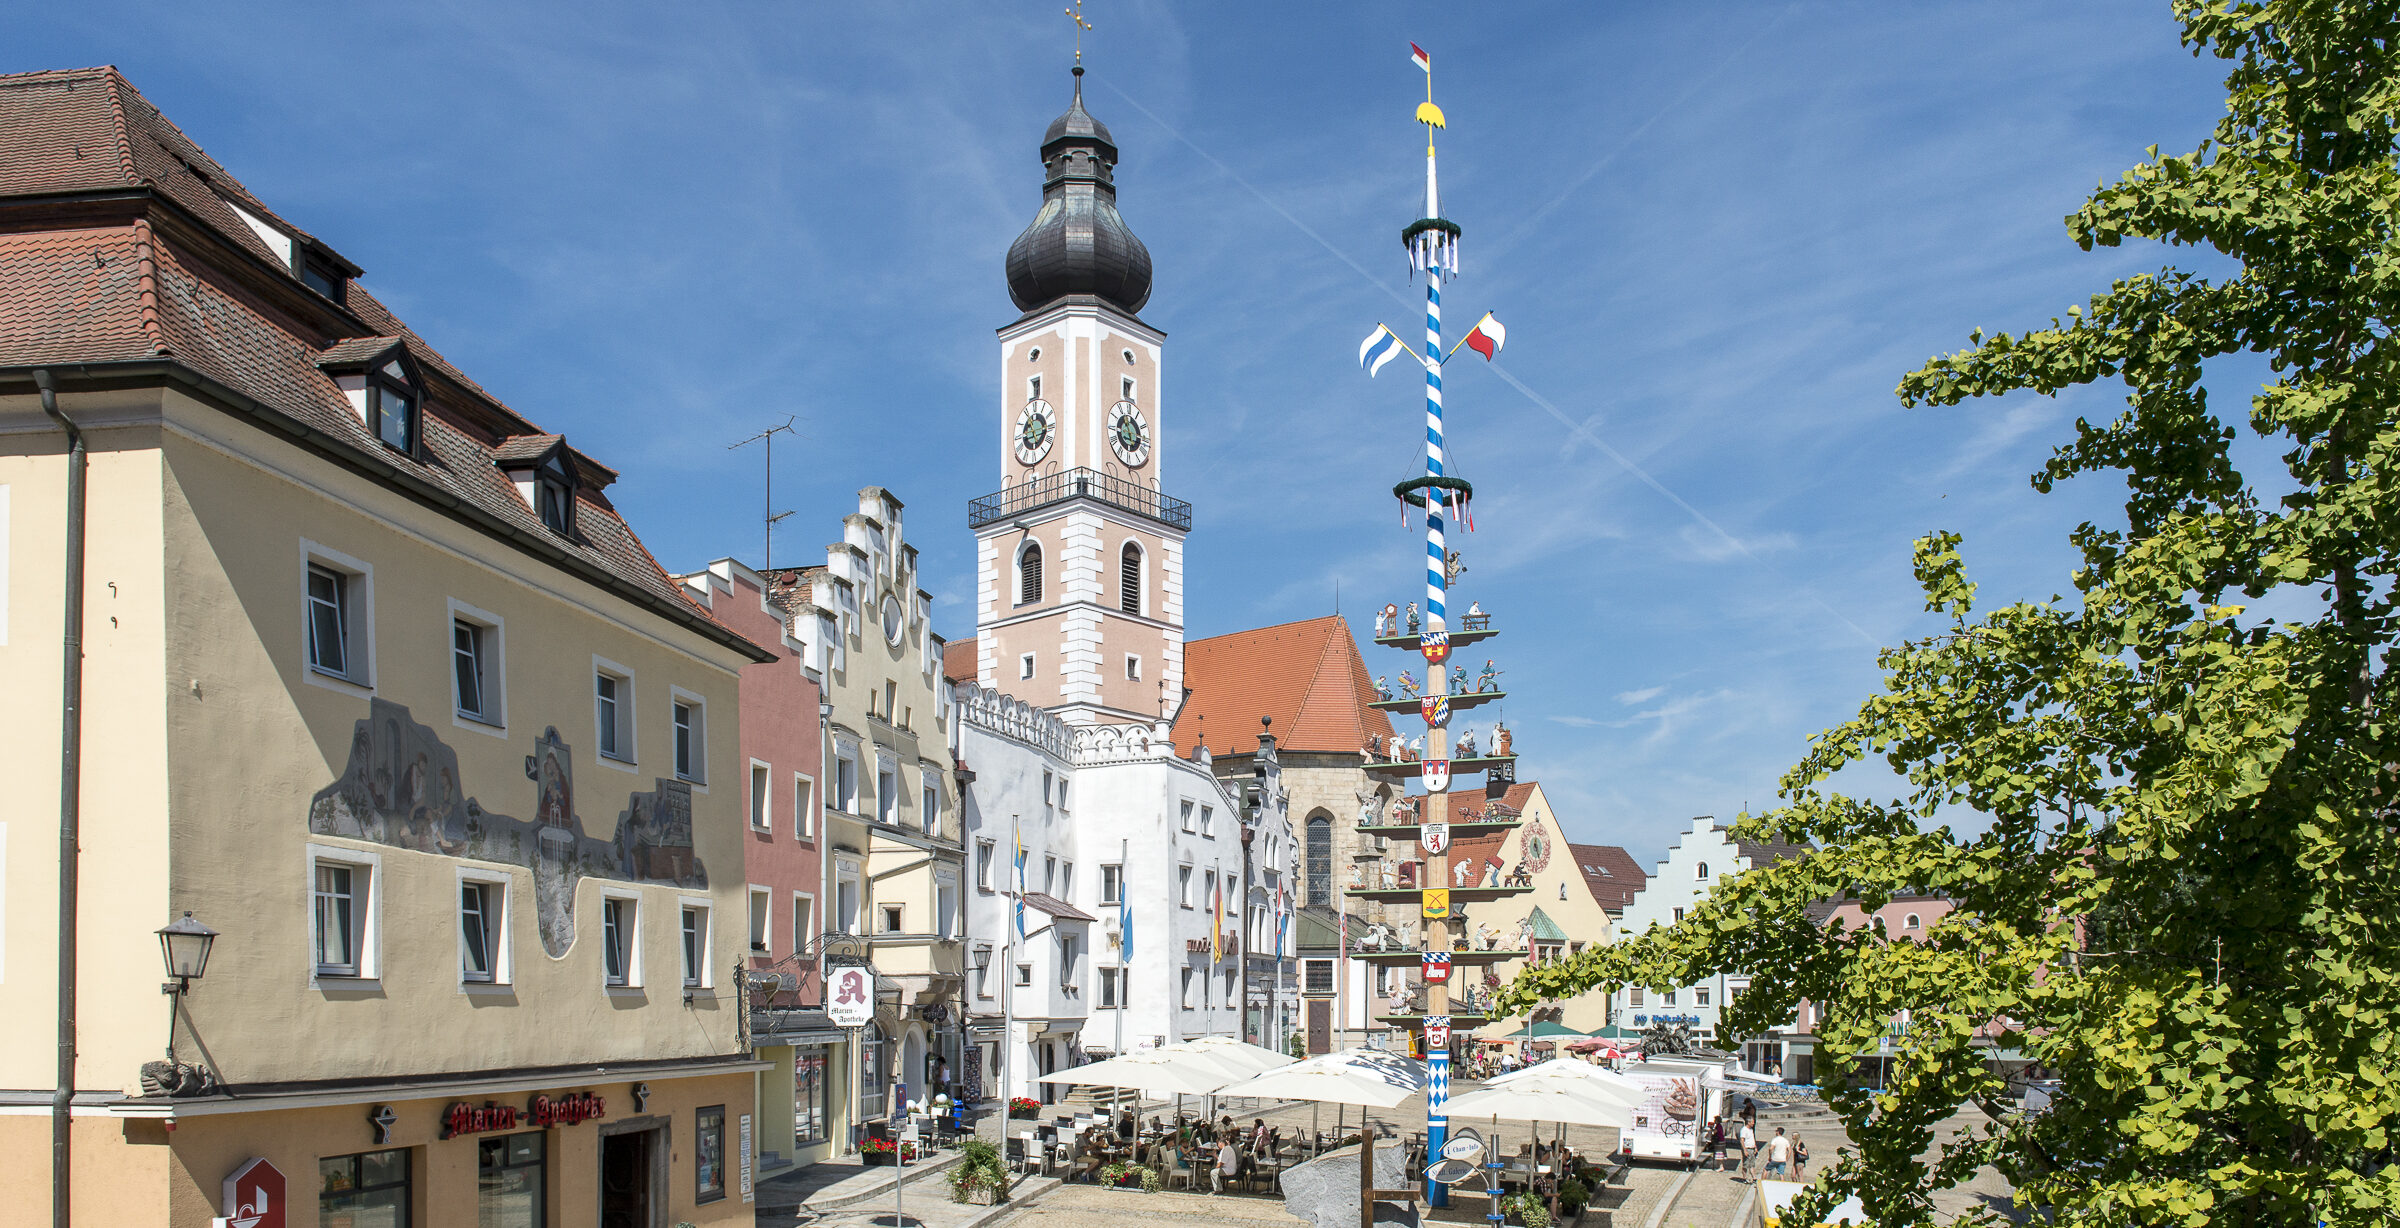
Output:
(1320, 858)
(1129, 579)
(1029, 574)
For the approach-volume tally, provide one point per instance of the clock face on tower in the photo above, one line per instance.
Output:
(1036, 427)
(1129, 433)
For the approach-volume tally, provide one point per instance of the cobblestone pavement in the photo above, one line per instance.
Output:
(1091, 1206)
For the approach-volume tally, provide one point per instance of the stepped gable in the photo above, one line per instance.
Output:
(1308, 675)
(1611, 873)
(122, 289)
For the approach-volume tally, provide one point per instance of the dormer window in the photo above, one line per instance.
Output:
(544, 473)
(392, 412)
(555, 502)
(322, 277)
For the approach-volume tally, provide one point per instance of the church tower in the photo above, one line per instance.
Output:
(1079, 588)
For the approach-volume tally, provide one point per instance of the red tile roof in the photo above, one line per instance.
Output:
(120, 293)
(1612, 874)
(1307, 675)
(959, 661)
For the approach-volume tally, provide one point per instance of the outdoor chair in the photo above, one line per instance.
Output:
(1018, 1162)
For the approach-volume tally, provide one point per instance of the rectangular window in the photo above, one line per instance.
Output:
(891, 701)
(1229, 998)
(845, 782)
(1187, 816)
(1025, 666)
(471, 654)
(1133, 668)
(1670, 997)
(511, 1181)
(1208, 821)
(392, 415)
(1066, 880)
(812, 1095)
(983, 970)
(328, 621)
(762, 908)
(892, 915)
(1319, 974)
(1183, 886)
(1112, 884)
(804, 923)
(695, 946)
(983, 865)
(1108, 987)
(612, 713)
(1678, 916)
(945, 908)
(708, 1154)
(616, 940)
(341, 918)
(1208, 889)
(804, 807)
(1050, 876)
(1024, 974)
(1633, 998)
(846, 900)
(1066, 961)
(887, 790)
(1046, 783)
(1700, 996)
(1187, 987)
(481, 908)
(691, 740)
(368, 1190)
(932, 805)
(762, 796)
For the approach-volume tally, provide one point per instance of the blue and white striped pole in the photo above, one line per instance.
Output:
(1437, 585)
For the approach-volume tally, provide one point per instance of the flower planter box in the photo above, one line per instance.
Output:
(874, 1159)
(979, 1196)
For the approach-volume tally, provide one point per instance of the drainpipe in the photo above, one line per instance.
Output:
(70, 757)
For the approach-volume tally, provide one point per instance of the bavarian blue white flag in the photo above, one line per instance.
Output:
(1380, 347)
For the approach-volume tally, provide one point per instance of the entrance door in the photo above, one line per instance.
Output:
(627, 1163)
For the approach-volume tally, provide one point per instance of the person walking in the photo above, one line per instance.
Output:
(1716, 1142)
(1779, 1154)
(1799, 1158)
(1749, 1150)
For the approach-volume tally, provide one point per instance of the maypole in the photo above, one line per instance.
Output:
(1432, 243)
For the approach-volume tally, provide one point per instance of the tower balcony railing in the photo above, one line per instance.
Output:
(1052, 488)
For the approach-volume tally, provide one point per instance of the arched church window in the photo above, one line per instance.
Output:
(1320, 858)
(1029, 574)
(1129, 579)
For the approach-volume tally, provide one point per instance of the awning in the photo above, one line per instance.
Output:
(1056, 907)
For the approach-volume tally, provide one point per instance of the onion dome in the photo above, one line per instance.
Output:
(1078, 244)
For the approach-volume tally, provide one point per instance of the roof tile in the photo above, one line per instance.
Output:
(1307, 675)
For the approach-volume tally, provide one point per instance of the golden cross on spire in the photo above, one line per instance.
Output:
(1075, 15)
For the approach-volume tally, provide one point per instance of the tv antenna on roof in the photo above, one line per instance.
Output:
(767, 436)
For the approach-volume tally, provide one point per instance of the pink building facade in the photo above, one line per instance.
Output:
(802, 1104)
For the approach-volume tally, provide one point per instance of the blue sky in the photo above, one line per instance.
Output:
(1718, 233)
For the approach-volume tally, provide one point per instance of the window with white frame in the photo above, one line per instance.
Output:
(1700, 995)
(1047, 780)
(1912, 922)
(690, 721)
(1066, 961)
(1183, 886)
(1066, 880)
(1049, 875)
(338, 613)
(762, 907)
(619, 945)
(932, 804)
(1112, 884)
(893, 916)
(804, 806)
(1129, 580)
(1633, 998)
(478, 673)
(1703, 871)
(1208, 891)
(1208, 822)
(1025, 665)
(1187, 816)
(1317, 976)
(1228, 999)
(845, 779)
(945, 906)
(983, 865)
(1133, 667)
(804, 924)
(1109, 992)
(1029, 574)
(1670, 998)
(612, 710)
(887, 790)
(848, 897)
(343, 909)
(762, 796)
(483, 929)
(1188, 977)
(1024, 974)
(983, 970)
(695, 945)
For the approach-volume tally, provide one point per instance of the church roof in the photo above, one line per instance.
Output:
(1307, 675)
(1612, 874)
(1078, 245)
(959, 661)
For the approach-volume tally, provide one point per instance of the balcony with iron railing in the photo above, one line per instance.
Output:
(1052, 488)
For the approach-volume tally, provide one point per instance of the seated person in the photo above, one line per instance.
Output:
(1088, 1160)
(1227, 1168)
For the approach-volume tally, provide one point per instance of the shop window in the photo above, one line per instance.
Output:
(370, 1188)
(812, 1095)
(708, 1154)
(511, 1181)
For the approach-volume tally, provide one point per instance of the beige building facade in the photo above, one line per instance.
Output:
(376, 684)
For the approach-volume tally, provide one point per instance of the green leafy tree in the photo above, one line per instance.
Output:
(2182, 897)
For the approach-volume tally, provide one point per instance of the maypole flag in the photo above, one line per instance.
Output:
(1124, 920)
(1380, 347)
(1020, 888)
(1486, 337)
(1417, 56)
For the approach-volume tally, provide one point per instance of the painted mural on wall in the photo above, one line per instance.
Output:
(402, 788)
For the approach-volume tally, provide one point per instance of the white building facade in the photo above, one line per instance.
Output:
(1695, 863)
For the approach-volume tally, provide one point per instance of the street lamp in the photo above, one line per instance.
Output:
(184, 943)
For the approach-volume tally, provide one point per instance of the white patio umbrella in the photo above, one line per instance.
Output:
(1371, 1078)
(1158, 1072)
(1233, 1052)
(1583, 1074)
(1556, 1098)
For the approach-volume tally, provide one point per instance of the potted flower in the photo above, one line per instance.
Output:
(1530, 1210)
(1024, 1108)
(885, 1151)
(1573, 1197)
(1124, 1175)
(980, 1177)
